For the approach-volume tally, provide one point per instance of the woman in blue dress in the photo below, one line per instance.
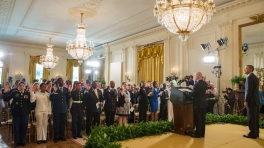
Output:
(154, 102)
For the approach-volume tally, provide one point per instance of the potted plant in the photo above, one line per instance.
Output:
(235, 81)
(103, 82)
(242, 80)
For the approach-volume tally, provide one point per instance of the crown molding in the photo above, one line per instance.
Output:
(232, 5)
(138, 35)
(258, 45)
(127, 28)
(12, 44)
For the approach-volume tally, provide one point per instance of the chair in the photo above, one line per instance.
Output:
(148, 113)
(102, 120)
(136, 113)
(33, 122)
(50, 130)
(236, 106)
(10, 126)
(68, 124)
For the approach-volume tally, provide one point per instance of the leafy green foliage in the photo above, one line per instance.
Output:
(106, 137)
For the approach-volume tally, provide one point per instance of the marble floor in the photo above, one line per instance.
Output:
(7, 142)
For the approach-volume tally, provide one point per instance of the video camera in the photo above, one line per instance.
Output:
(225, 91)
(170, 78)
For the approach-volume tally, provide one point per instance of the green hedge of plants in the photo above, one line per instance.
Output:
(107, 137)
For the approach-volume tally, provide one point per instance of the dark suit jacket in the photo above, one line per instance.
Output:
(165, 95)
(110, 97)
(90, 100)
(77, 108)
(252, 90)
(198, 94)
(60, 100)
(143, 96)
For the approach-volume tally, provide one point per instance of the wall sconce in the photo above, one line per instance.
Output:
(173, 72)
(18, 75)
(127, 76)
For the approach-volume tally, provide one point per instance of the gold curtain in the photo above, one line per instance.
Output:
(69, 69)
(46, 73)
(32, 67)
(151, 63)
(5, 70)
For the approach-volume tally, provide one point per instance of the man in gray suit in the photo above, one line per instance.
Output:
(252, 102)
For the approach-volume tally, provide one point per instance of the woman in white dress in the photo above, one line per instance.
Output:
(42, 111)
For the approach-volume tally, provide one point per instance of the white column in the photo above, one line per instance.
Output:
(124, 64)
(166, 67)
(107, 63)
(134, 74)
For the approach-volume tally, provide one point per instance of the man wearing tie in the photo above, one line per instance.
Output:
(110, 96)
(252, 102)
(93, 100)
(60, 98)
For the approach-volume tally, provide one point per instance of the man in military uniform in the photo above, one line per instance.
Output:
(60, 98)
(110, 96)
(93, 102)
(77, 110)
(20, 109)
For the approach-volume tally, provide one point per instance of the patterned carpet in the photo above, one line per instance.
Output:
(79, 141)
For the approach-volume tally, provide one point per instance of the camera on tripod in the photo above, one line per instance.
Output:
(170, 78)
(225, 91)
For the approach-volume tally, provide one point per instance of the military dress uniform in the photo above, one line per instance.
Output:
(60, 106)
(20, 109)
(77, 113)
(110, 97)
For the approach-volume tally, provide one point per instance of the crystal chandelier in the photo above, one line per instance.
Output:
(49, 61)
(78, 48)
(183, 17)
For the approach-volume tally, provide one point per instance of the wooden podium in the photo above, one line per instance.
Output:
(182, 111)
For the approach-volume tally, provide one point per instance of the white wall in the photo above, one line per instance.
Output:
(115, 73)
(19, 56)
(188, 58)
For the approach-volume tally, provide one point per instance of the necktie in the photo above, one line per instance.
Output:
(95, 91)
(61, 89)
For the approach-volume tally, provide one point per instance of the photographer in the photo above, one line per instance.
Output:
(210, 97)
(190, 80)
(229, 101)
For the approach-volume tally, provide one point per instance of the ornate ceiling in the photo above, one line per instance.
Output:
(34, 21)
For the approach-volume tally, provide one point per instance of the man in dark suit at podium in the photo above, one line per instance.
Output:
(199, 104)
(252, 102)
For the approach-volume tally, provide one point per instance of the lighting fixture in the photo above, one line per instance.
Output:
(78, 48)
(183, 17)
(49, 61)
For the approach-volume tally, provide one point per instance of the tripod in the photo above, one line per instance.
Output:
(220, 103)
(236, 107)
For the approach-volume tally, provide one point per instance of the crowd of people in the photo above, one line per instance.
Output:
(54, 99)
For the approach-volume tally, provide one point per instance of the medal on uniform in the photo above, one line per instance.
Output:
(26, 97)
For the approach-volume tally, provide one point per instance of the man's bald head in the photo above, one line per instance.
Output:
(198, 75)
(112, 84)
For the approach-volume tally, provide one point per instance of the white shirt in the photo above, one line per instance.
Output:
(43, 103)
